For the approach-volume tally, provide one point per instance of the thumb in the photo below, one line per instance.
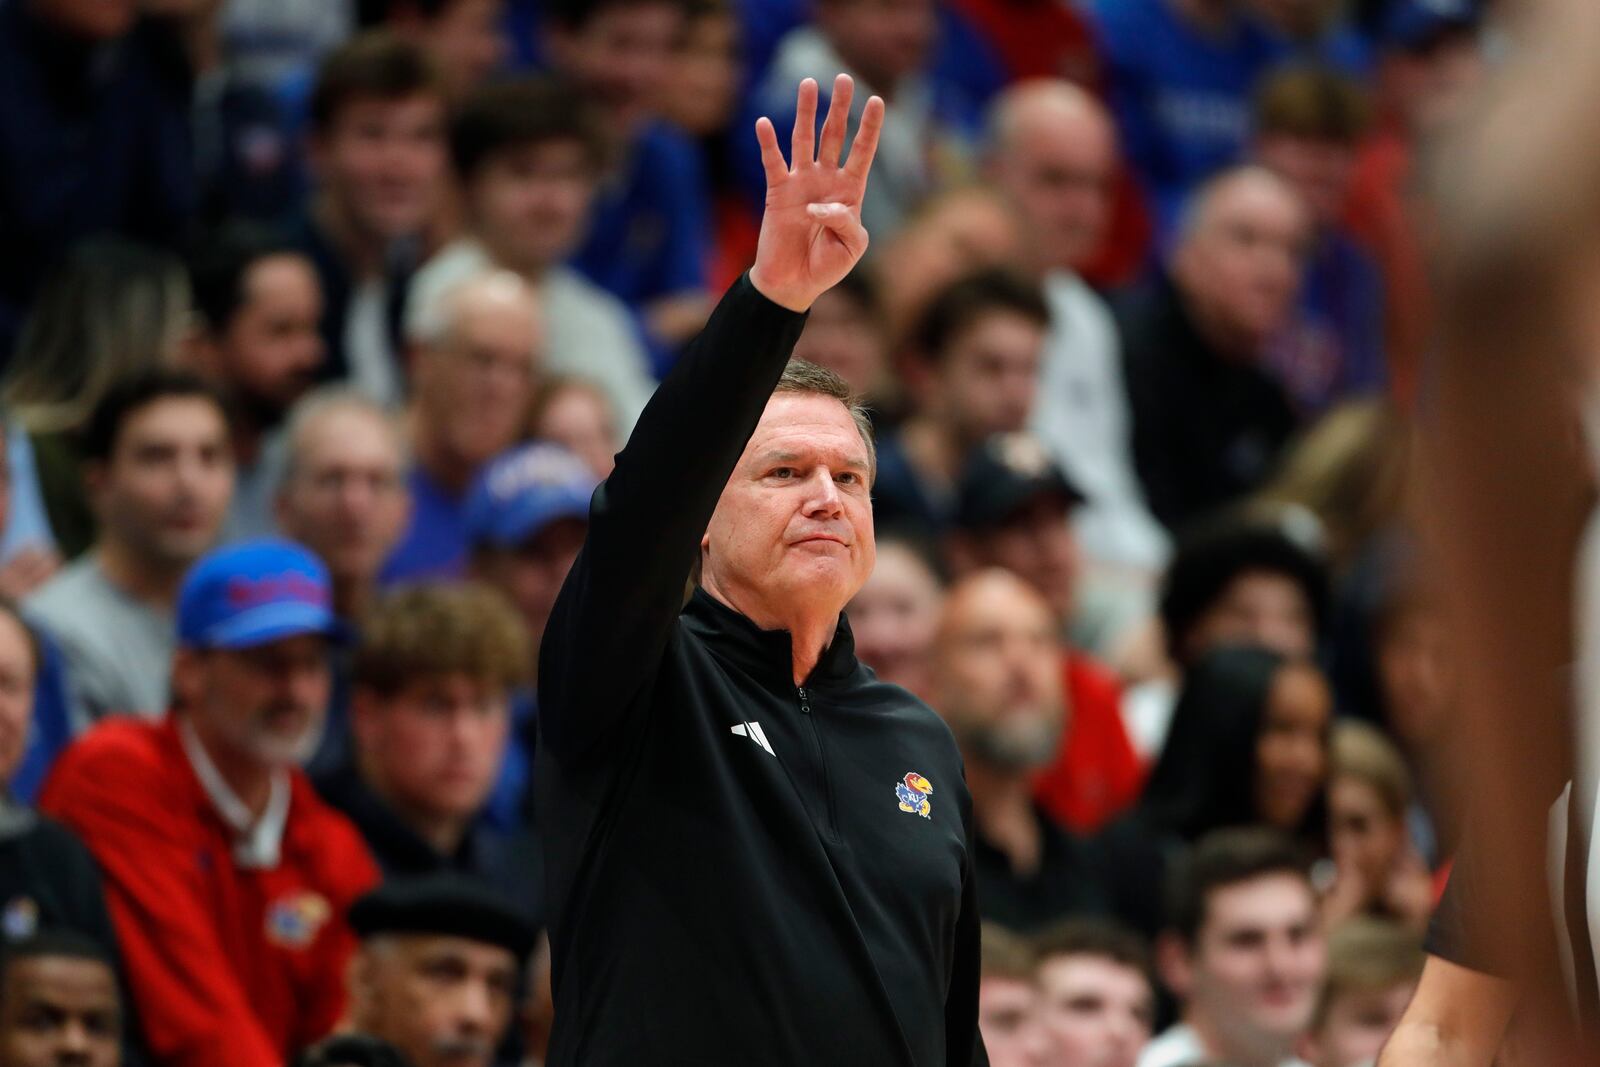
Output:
(833, 216)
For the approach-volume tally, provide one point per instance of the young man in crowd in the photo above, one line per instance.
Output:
(1052, 150)
(1008, 1002)
(59, 1002)
(343, 490)
(978, 349)
(526, 520)
(1245, 953)
(228, 878)
(1308, 126)
(1014, 510)
(477, 360)
(1098, 993)
(438, 970)
(997, 684)
(377, 153)
(259, 303)
(1207, 419)
(648, 237)
(529, 156)
(434, 668)
(159, 474)
(1373, 969)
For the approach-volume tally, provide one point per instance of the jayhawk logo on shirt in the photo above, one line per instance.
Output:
(913, 791)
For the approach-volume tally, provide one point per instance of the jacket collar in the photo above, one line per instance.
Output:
(768, 654)
(399, 849)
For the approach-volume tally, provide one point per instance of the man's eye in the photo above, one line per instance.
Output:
(849, 478)
(783, 472)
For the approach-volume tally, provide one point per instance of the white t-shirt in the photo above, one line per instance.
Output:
(1180, 1046)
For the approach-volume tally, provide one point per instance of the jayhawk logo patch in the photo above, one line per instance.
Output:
(913, 792)
(293, 921)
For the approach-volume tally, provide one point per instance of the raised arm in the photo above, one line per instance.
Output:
(616, 610)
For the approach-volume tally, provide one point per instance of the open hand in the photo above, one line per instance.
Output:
(811, 232)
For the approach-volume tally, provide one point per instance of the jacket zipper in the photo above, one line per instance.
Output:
(822, 761)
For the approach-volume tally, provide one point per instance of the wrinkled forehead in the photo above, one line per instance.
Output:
(808, 427)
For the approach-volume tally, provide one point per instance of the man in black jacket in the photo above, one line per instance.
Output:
(756, 852)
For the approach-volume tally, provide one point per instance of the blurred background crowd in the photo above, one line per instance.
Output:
(364, 295)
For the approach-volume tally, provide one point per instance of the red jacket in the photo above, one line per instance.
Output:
(1096, 773)
(229, 967)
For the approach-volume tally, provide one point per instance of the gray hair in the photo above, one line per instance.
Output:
(325, 402)
(434, 320)
(802, 376)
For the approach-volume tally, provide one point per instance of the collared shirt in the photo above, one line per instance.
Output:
(260, 841)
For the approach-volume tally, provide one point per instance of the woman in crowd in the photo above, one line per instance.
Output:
(1377, 869)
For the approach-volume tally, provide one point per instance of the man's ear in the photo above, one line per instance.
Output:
(200, 352)
(360, 977)
(1175, 964)
(96, 477)
(186, 678)
(365, 708)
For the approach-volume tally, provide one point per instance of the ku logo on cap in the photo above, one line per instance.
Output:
(913, 792)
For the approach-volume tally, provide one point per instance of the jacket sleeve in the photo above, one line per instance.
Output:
(962, 1041)
(192, 1009)
(611, 622)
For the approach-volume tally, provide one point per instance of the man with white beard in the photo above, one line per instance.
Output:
(227, 878)
(997, 683)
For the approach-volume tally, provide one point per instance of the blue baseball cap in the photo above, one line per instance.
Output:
(253, 592)
(523, 491)
(1412, 23)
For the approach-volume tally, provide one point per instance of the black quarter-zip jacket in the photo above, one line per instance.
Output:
(739, 870)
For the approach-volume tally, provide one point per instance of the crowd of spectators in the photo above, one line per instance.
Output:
(321, 321)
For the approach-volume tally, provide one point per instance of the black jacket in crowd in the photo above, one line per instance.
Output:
(731, 877)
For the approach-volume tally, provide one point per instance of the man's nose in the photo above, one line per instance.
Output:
(822, 496)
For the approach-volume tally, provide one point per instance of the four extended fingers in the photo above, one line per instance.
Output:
(802, 141)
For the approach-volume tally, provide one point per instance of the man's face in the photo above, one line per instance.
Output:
(346, 497)
(842, 336)
(894, 618)
(1430, 85)
(468, 40)
(1037, 543)
(793, 527)
(1263, 608)
(266, 704)
(59, 1011)
(165, 489)
(435, 745)
(17, 671)
(383, 162)
(529, 202)
(997, 672)
(443, 1001)
(271, 350)
(486, 367)
(886, 40)
(1357, 1025)
(622, 57)
(1292, 748)
(96, 20)
(1059, 170)
(707, 69)
(579, 418)
(1240, 268)
(1008, 1018)
(1257, 962)
(1320, 171)
(989, 374)
(1100, 1011)
(531, 574)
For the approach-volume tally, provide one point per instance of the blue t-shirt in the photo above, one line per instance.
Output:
(1181, 97)
(650, 224)
(435, 544)
(50, 730)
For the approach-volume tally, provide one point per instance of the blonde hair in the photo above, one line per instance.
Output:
(1363, 752)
